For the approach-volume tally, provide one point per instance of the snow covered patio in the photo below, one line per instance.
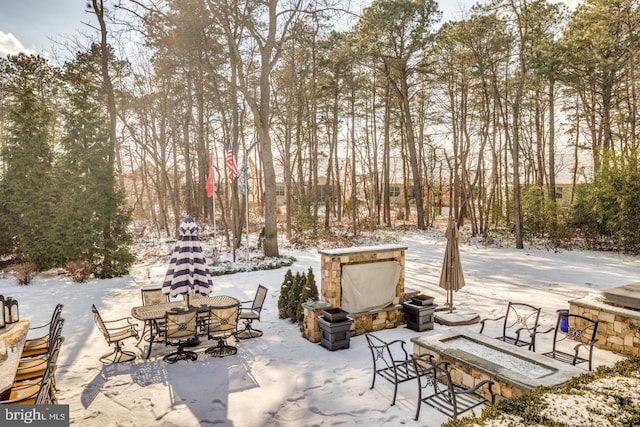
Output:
(282, 379)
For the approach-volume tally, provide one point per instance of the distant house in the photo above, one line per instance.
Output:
(396, 185)
(563, 194)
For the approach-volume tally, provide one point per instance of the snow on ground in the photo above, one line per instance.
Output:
(281, 379)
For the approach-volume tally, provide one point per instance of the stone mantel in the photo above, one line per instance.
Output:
(361, 250)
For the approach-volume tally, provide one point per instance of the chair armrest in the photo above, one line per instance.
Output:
(481, 384)
(128, 320)
(129, 324)
(531, 332)
(536, 332)
(588, 345)
(404, 350)
(33, 328)
(489, 320)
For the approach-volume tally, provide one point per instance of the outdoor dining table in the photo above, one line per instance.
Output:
(150, 314)
(12, 339)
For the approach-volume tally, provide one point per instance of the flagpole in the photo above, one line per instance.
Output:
(211, 192)
(213, 216)
(246, 197)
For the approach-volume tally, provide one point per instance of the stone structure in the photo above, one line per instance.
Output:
(332, 261)
(618, 327)
(312, 310)
(514, 370)
(331, 264)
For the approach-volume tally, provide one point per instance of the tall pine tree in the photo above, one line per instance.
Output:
(93, 216)
(26, 219)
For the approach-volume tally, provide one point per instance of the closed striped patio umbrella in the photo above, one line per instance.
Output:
(188, 272)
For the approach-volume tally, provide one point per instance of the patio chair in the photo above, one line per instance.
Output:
(250, 313)
(222, 325)
(449, 398)
(580, 329)
(390, 361)
(40, 345)
(153, 296)
(35, 367)
(33, 393)
(31, 371)
(181, 329)
(519, 325)
(115, 332)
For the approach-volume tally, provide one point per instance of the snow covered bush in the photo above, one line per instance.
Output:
(25, 272)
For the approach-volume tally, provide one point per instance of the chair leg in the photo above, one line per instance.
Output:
(180, 354)
(221, 349)
(119, 355)
(248, 331)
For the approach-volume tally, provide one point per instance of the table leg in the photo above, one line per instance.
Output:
(152, 336)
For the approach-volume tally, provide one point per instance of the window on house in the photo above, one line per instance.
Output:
(279, 190)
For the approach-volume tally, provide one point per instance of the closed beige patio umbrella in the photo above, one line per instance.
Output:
(451, 277)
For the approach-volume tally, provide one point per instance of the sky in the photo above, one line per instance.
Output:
(281, 379)
(31, 26)
(40, 26)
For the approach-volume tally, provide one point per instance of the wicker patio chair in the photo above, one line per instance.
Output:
(180, 330)
(222, 326)
(249, 313)
(115, 332)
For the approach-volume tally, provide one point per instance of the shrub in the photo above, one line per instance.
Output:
(294, 296)
(283, 300)
(295, 291)
(25, 272)
(79, 271)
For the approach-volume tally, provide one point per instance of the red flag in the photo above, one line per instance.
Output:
(232, 166)
(211, 179)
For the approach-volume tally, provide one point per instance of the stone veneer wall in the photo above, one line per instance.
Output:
(618, 328)
(467, 376)
(310, 328)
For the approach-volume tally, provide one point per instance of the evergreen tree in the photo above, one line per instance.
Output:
(26, 190)
(309, 292)
(606, 211)
(283, 300)
(294, 296)
(311, 285)
(92, 214)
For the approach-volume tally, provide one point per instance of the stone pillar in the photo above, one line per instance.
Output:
(310, 328)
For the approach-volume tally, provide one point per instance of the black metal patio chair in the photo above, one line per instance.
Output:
(445, 396)
(390, 361)
(519, 325)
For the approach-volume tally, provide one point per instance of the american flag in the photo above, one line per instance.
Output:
(232, 165)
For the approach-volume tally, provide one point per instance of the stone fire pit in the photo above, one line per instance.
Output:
(475, 357)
